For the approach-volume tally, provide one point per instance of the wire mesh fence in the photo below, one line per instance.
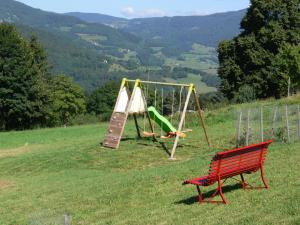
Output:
(280, 123)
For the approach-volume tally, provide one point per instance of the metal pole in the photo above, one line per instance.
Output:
(161, 83)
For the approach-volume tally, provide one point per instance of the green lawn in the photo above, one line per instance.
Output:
(47, 173)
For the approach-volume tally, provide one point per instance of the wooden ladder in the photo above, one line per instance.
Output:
(115, 130)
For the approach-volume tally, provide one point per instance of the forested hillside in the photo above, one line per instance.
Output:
(179, 31)
(94, 53)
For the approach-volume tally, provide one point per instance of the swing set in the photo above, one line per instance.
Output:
(135, 103)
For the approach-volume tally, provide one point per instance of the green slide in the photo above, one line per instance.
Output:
(160, 120)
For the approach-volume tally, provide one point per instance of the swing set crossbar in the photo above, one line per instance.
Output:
(162, 83)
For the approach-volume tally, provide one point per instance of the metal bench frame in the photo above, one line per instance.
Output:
(227, 164)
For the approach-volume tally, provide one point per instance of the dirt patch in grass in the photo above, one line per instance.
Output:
(15, 151)
(5, 184)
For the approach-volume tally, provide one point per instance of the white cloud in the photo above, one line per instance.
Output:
(132, 13)
(192, 13)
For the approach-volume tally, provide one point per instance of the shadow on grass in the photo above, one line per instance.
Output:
(206, 195)
(162, 146)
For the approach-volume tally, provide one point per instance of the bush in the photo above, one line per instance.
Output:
(245, 94)
(84, 119)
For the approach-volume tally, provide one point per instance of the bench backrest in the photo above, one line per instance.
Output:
(236, 161)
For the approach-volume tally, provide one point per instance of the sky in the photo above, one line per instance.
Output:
(140, 8)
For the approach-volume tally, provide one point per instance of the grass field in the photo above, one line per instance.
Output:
(47, 173)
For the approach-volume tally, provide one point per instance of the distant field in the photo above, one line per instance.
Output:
(200, 58)
(195, 79)
(47, 173)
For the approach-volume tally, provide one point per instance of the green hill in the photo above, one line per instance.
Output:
(48, 173)
(113, 21)
(85, 51)
(181, 32)
(94, 53)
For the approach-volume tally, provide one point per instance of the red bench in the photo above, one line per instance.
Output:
(231, 163)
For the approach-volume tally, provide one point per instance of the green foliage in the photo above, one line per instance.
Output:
(68, 99)
(23, 90)
(287, 64)
(212, 100)
(257, 57)
(103, 99)
(40, 56)
(245, 93)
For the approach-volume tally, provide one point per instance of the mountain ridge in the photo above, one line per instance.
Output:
(92, 53)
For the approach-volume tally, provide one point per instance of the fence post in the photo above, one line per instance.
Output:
(273, 121)
(298, 114)
(287, 124)
(289, 87)
(248, 127)
(238, 133)
(66, 219)
(262, 124)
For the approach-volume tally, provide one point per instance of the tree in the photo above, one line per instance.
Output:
(23, 99)
(39, 56)
(287, 64)
(251, 60)
(103, 99)
(68, 99)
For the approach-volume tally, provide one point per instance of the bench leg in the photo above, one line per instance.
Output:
(218, 190)
(221, 191)
(200, 199)
(243, 182)
(263, 177)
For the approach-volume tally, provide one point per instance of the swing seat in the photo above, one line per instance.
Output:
(149, 134)
(173, 134)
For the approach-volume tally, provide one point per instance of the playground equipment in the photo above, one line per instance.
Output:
(164, 124)
(135, 103)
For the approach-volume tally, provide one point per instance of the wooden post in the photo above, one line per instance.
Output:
(298, 114)
(262, 124)
(273, 121)
(162, 110)
(137, 126)
(289, 87)
(149, 119)
(248, 127)
(287, 124)
(238, 133)
(201, 117)
(66, 219)
(181, 122)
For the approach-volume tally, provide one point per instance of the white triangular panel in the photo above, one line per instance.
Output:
(138, 103)
(122, 101)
